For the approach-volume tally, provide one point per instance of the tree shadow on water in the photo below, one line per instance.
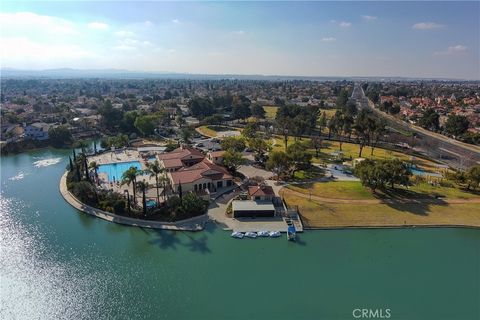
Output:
(198, 244)
(165, 239)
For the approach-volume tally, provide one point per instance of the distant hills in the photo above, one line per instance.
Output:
(68, 73)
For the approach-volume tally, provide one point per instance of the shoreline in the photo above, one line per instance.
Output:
(198, 223)
(191, 224)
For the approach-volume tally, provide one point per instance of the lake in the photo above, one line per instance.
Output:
(57, 263)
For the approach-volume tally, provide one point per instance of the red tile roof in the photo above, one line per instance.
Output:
(260, 191)
(200, 170)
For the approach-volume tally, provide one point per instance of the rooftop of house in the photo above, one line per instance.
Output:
(182, 154)
(261, 190)
(200, 170)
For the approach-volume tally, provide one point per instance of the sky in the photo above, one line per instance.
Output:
(410, 39)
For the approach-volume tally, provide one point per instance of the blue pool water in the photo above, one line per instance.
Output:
(151, 203)
(116, 170)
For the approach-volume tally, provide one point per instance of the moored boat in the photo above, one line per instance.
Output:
(263, 233)
(237, 235)
(275, 234)
(291, 233)
(251, 234)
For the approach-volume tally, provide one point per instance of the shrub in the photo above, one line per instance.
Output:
(119, 207)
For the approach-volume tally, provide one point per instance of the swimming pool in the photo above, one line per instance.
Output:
(115, 171)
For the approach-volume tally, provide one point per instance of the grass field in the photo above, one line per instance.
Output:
(212, 130)
(347, 203)
(335, 190)
(316, 214)
(355, 191)
(350, 150)
(270, 111)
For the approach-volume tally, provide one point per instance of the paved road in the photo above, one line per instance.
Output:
(446, 150)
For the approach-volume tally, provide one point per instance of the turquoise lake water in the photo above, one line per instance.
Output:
(56, 263)
(116, 170)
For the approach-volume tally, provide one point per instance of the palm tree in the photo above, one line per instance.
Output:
(94, 165)
(154, 169)
(143, 186)
(130, 176)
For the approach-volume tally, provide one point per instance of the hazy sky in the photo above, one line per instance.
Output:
(421, 39)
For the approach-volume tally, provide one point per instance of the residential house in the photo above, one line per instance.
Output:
(37, 131)
(261, 192)
(216, 156)
(179, 158)
(203, 177)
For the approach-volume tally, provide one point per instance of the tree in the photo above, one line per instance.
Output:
(233, 144)
(130, 177)
(278, 162)
(456, 125)
(250, 130)
(146, 124)
(316, 143)
(127, 124)
(85, 192)
(94, 165)
(258, 111)
(60, 136)
(111, 117)
(154, 169)
(378, 131)
(322, 122)
(241, 107)
(430, 120)
(363, 128)
(342, 99)
(186, 134)
(232, 160)
(299, 156)
(260, 148)
(201, 107)
(143, 187)
(473, 177)
(382, 173)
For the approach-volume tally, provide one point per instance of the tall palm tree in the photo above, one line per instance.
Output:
(143, 186)
(94, 165)
(154, 169)
(130, 176)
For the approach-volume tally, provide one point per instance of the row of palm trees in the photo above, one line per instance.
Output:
(154, 170)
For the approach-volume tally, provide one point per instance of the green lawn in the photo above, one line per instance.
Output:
(355, 191)
(335, 190)
(350, 150)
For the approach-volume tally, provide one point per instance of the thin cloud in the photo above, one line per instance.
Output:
(329, 39)
(452, 50)
(427, 26)
(176, 21)
(239, 32)
(368, 18)
(124, 33)
(98, 25)
(345, 24)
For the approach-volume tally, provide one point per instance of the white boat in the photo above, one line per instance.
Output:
(237, 235)
(263, 233)
(275, 234)
(251, 234)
